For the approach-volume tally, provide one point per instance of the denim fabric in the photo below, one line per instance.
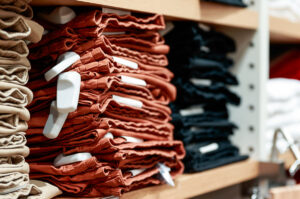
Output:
(193, 94)
(189, 37)
(231, 2)
(196, 161)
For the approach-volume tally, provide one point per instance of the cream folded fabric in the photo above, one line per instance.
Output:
(11, 49)
(24, 151)
(16, 186)
(21, 7)
(17, 74)
(13, 141)
(13, 63)
(48, 191)
(14, 163)
(11, 123)
(14, 95)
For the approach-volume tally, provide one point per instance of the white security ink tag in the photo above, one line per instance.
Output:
(201, 82)
(62, 159)
(132, 139)
(54, 122)
(60, 15)
(113, 33)
(68, 89)
(109, 135)
(132, 80)
(136, 172)
(116, 11)
(192, 110)
(204, 27)
(64, 61)
(195, 128)
(125, 62)
(164, 172)
(169, 27)
(128, 101)
(209, 148)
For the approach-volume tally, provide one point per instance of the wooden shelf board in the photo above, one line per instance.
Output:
(190, 185)
(232, 16)
(284, 31)
(185, 9)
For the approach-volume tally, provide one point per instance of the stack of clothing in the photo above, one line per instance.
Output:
(198, 57)
(287, 9)
(16, 28)
(283, 90)
(128, 141)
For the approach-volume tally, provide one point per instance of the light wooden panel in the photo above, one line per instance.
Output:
(284, 31)
(185, 9)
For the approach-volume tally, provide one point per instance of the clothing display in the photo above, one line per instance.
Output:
(122, 121)
(16, 29)
(287, 9)
(200, 114)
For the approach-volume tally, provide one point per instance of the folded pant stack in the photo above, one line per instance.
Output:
(127, 141)
(16, 27)
(200, 64)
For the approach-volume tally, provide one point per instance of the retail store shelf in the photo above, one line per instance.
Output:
(232, 16)
(284, 31)
(190, 185)
(185, 9)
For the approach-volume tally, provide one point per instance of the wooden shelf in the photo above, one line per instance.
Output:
(185, 9)
(232, 16)
(284, 31)
(211, 13)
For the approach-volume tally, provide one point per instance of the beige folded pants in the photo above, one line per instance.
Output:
(15, 163)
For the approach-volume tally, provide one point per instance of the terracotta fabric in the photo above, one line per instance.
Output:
(15, 163)
(18, 6)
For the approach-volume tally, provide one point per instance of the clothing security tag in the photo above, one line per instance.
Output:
(54, 122)
(11, 190)
(192, 110)
(209, 148)
(62, 159)
(113, 33)
(132, 139)
(169, 27)
(136, 172)
(201, 82)
(195, 128)
(125, 62)
(60, 15)
(204, 27)
(128, 101)
(116, 11)
(111, 197)
(132, 80)
(68, 89)
(164, 172)
(45, 32)
(64, 61)
(109, 135)
(205, 49)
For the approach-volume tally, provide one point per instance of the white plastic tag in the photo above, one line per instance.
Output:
(128, 101)
(125, 62)
(113, 33)
(64, 61)
(132, 80)
(62, 159)
(201, 82)
(45, 32)
(116, 11)
(204, 27)
(209, 148)
(132, 139)
(60, 15)
(169, 27)
(164, 172)
(195, 128)
(109, 135)
(136, 172)
(205, 49)
(68, 89)
(54, 122)
(111, 197)
(193, 110)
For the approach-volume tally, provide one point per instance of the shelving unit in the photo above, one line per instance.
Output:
(284, 31)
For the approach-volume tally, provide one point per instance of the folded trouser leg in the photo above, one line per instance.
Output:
(15, 163)
(21, 7)
(24, 151)
(12, 141)
(48, 191)
(10, 49)
(10, 182)
(16, 75)
(15, 95)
